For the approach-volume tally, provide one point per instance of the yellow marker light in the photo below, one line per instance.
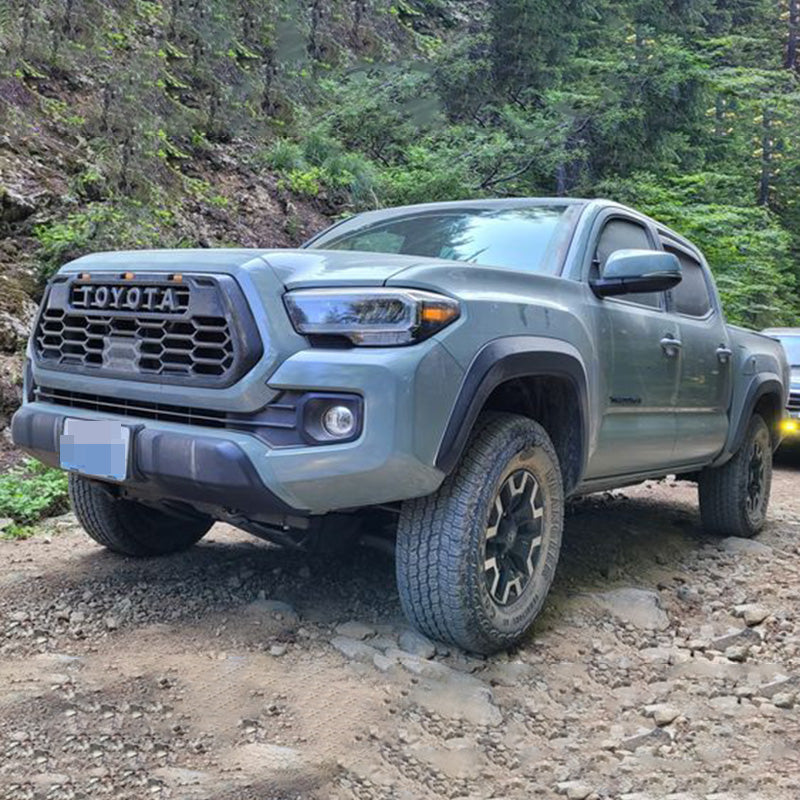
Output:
(85, 276)
(177, 278)
(128, 276)
(437, 314)
(790, 426)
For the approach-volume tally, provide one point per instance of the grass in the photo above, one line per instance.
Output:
(18, 532)
(28, 493)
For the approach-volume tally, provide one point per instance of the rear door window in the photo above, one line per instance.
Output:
(691, 297)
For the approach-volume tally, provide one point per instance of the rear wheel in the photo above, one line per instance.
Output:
(734, 497)
(128, 527)
(476, 559)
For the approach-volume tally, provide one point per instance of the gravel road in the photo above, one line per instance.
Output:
(666, 665)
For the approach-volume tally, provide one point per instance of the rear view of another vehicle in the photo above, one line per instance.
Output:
(790, 339)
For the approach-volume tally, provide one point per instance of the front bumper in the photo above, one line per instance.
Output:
(198, 470)
(407, 393)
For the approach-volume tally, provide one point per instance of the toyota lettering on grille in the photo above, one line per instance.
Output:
(165, 299)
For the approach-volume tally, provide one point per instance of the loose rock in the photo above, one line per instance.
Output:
(355, 630)
(458, 700)
(417, 644)
(752, 613)
(647, 738)
(575, 790)
(737, 653)
(736, 637)
(352, 648)
(662, 714)
(734, 544)
(639, 607)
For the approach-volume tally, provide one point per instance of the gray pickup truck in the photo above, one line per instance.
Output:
(463, 367)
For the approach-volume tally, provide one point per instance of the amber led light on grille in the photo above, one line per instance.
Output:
(176, 278)
(128, 276)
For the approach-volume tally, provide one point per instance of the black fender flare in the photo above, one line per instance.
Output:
(760, 387)
(502, 360)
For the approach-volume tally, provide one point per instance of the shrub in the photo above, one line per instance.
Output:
(32, 491)
(102, 226)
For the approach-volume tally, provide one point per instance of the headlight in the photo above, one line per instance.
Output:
(376, 317)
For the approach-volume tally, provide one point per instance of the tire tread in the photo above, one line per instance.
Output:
(721, 490)
(130, 528)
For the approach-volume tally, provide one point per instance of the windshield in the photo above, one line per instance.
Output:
(791, 344)
(532, 237)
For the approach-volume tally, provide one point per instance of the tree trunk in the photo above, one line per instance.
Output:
(766, 158)
(27, 25)
(719, 116)
(791, 44)
(360, 7)
(173, 18)
(67, 21)
(561, 179)
(314, 48)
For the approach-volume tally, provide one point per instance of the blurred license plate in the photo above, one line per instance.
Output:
(96, 447)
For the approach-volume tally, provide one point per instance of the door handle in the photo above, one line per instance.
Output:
(671, 346)
(724, 353)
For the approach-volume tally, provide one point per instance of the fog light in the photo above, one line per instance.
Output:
(339, 421)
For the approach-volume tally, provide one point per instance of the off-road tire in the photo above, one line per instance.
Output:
(442, 539)
(725, 492)
(128, 527)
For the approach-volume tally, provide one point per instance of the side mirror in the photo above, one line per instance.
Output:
(629, 271)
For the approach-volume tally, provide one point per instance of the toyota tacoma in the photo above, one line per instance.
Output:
(462, 367)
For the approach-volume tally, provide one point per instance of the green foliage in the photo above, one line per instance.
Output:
(284, 155)
(321, 166)
(102, 226)
(687, 109)
(30, 492)
(18, 532)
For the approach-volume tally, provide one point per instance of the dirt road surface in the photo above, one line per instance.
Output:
(666, 665)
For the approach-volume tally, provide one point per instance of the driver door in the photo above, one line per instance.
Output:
(639, 371)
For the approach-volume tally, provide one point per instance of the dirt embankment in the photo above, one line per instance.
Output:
(666, 665)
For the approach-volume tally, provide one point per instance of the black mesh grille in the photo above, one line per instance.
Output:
(794, 401)
(202, 333)
(198, 346)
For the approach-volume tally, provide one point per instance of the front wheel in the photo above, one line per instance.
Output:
(735, 496)
(475, 560)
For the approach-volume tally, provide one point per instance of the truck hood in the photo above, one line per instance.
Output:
(293, 268)
(795, 379)
(296, 268)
